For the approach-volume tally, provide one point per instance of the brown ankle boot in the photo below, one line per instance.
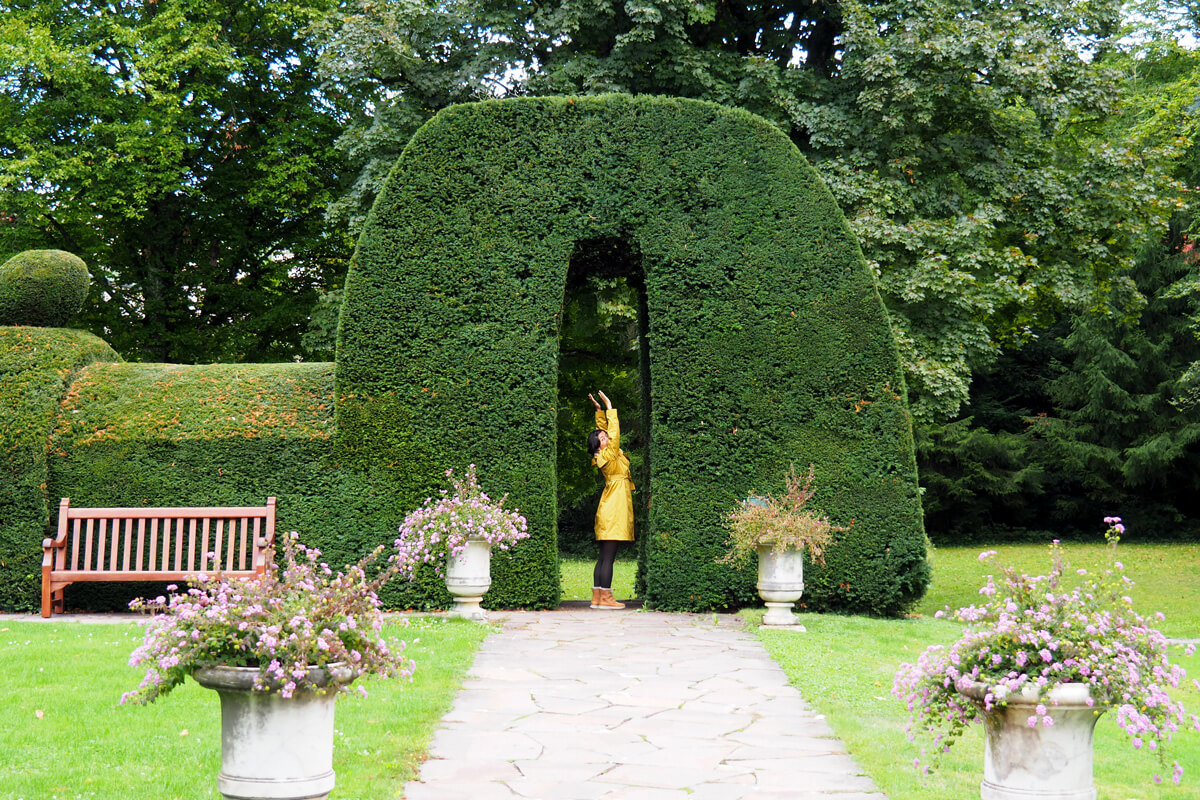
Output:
(608, 601)
(596, 597)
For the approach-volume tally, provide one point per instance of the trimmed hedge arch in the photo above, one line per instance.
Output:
(768, 341)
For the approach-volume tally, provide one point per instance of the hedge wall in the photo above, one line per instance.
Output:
(225, 434)
(768, 341)
(36, 366)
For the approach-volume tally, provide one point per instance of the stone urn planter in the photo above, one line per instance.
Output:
(274, 747)
(1044, 762)
(780, 584)
(468, 577)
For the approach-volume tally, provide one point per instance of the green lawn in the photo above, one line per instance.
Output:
(844, 666)
(577, 578)
(1166, 577)
(65, 736)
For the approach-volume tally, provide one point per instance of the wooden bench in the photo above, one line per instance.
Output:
(153, 544)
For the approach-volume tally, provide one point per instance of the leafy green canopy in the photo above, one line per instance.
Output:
(1097, 415)
(183, 150)
(962, 139)
(767, 340)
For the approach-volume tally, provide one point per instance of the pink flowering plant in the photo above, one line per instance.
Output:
(297, 618)
(1035, 633)
(442, 527)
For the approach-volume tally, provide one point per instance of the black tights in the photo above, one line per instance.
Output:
(602, 574)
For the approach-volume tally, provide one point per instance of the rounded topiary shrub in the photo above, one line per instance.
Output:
(42, 287)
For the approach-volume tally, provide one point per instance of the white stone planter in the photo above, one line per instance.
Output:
(1041, 763)
(274, 747)
(780, 585)
(468, 577)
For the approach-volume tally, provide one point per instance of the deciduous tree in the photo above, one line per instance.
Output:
(183, 150)
(963, 139)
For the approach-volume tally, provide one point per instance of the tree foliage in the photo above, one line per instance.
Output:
(1093, 418)
(962, 139)
(180, 148)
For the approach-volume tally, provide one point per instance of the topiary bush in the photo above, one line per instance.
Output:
(37, 365)
(768, 343)
(42, 287)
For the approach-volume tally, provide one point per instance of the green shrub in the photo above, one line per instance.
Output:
(36, 367)
(42, 287)
(225, 434)
(768, 343)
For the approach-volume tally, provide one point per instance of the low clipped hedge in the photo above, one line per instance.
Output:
(224, 434)
(768, 342)
(36, 367)
(42, 287)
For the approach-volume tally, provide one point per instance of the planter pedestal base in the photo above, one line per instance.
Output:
(1046, 762)
(273, 747)
(469, 608)
(779, 615)
(468, 577)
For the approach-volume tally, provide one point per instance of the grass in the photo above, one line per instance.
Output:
(858, 704)
(577, 578)
(65, 736)
(1166, 577)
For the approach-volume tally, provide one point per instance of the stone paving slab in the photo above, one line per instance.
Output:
(633, 705)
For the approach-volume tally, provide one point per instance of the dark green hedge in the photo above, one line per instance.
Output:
(225, 434)
(36, 367)
(768, 341)
(42, 287)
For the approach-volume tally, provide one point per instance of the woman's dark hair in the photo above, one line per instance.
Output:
(594, 441)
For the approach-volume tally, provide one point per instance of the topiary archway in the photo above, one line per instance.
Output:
(768, 342)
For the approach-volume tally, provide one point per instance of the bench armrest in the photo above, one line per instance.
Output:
(60, 540)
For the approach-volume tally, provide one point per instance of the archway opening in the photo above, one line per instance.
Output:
(603, 346)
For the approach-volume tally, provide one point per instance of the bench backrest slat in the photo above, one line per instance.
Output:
(75, 543)
(180, 532)
(87, 543)
(141, 543)
(95, 547)
(126, 542)
(212, 549)
(99, 550)
(243, 530)
(114, 543)
(191, 512)
(191, 557)
(240, 564)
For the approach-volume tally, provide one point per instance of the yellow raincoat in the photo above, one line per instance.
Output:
(614, 516)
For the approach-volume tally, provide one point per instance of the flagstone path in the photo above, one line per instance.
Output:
(578, 704)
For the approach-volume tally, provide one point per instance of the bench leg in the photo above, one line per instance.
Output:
(47, 595)
(53, 600)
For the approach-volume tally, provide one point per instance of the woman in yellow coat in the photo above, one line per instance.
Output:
(614, 516)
